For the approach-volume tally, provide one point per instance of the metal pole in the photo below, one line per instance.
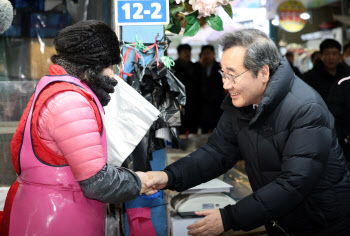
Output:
(345, 11)
(112, 15)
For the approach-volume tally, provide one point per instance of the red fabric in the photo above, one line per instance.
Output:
(56, 70)
(17, 137)
(125, 59)
(1, 214)
(5, 223)
(152, 46)
(139, 220)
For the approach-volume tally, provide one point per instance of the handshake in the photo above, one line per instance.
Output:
(151, 181)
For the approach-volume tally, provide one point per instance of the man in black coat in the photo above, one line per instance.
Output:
(339, 105)
(296, 168)
(184, 70)
(329, 70)
(210, 91)
(290, 58)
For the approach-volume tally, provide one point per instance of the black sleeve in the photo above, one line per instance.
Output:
(336, 104)
(304, 159)
(217, 156)
(112, 184)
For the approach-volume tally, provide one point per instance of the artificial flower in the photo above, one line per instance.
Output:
(206, 7)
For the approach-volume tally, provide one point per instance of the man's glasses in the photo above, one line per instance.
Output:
(229, 77)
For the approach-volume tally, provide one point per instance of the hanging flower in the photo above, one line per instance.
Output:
(190, 14)
(206, 7)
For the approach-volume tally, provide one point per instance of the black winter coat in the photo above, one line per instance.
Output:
(293, 160)
(322, 81)
(186, 74)
(339, 105)
(211, 94)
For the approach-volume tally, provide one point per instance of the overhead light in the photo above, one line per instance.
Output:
(305, 16)
(275, 22)
(262, 2)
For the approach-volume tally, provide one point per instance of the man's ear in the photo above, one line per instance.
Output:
(265, 73)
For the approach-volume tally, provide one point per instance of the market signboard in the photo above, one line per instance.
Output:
(289, 15)
(142, 12)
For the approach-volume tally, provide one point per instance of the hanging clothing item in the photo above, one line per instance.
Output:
(162, 89)
(139, 220)
(49, 200)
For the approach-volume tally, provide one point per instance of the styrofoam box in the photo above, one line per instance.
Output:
(179, 224)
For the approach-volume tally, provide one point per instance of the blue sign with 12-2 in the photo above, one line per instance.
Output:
(142, 12)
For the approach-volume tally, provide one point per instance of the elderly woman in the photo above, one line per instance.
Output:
(59, 148)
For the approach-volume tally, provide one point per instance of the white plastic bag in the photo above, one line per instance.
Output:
(3, 195)
(128, 116)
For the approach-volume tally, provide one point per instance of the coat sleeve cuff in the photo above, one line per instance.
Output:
(112, 185)
(171, 179)
(227, 219)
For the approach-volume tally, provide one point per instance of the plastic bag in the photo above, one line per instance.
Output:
(161, 88)
(128, 117)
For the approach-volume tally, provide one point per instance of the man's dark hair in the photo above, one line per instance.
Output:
(330, 43)
(183, 47)
(260, 50)
(314, 54)
(289, 54)
(210, 47)
(346, 46)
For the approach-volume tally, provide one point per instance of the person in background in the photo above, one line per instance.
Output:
(210, 89)
(184, 71)
(329, 70)
(346, 54)
(296, 168)
(59, 150)
(290, 58)
(315, 56)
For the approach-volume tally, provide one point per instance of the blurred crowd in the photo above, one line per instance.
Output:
(204, 89)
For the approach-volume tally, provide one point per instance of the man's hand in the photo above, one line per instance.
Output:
(209, 225)
(145, 177)
(158, 180)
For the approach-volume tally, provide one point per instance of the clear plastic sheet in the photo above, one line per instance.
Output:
(14, 96)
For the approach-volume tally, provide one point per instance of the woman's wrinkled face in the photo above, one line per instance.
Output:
(108, 72)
